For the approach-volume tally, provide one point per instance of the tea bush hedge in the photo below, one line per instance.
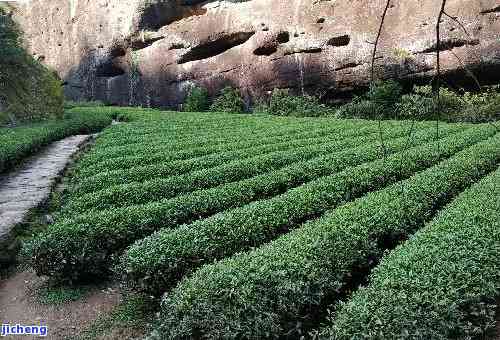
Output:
(440, 284)
(275, 289)
(224, 234)
(163, 188)
(84, 246)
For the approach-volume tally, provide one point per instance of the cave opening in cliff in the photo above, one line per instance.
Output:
(109, 69)
(215, 47)
(283, 37)
(265, 50)
(342, 40)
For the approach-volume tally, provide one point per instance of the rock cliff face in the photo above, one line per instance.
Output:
(150, 52)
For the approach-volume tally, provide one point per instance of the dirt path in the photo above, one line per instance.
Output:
(19, 304)
(29, 186)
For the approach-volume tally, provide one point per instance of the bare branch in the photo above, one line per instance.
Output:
(437, 84)
(372, 77)
(377, 40)
(459, 23)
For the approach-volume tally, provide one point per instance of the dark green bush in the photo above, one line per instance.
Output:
(480, 107)
(385, 95)
(441, 284)
(379, 102)
(282, 103)
(229, 101)
(359, 108)
(421, 104)
(385, 100)
(197, 100)
(274, 290)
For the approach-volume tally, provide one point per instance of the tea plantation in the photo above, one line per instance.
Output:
(255, 227)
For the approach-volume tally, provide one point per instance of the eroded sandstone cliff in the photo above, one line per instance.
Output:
(149, 52)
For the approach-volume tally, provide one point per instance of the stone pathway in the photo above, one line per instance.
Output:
(30, 186)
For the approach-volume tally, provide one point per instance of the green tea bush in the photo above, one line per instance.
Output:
(274, 289)
(282, 103)
(230, 141)
(107, 179)
(163, 188)
(197, 100)
(215, 140)
(84, 246)
(227, 233)
(441, 284)
(229, 101)
(69, 104)
(162, 155)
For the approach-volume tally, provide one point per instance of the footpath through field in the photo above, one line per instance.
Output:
(30, 185)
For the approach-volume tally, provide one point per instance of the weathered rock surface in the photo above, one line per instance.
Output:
(150, 52)
(30, 186)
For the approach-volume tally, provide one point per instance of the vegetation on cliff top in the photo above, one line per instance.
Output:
(28, 90)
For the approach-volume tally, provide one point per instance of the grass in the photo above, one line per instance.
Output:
(61, 294)
(133, 317)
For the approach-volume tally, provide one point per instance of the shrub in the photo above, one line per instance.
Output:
(100, 162)
(421, 104)
(274, 290)
(379, 102)
(69, 104)
(163, 188)
(441, 284)
(197, 100)
(385, 95)
(228, 101)
(480, 107)
(282, 103)
(359, 108)
(164, 169)
(226, 233)
(415, 106)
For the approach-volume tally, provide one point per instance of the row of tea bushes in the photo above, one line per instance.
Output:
(237, 151)
(93, 164)
(84, 245)
(143, 173)
(274, 289)
(183, 249)
(247, 138)
(163, 188)
(441, 284)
